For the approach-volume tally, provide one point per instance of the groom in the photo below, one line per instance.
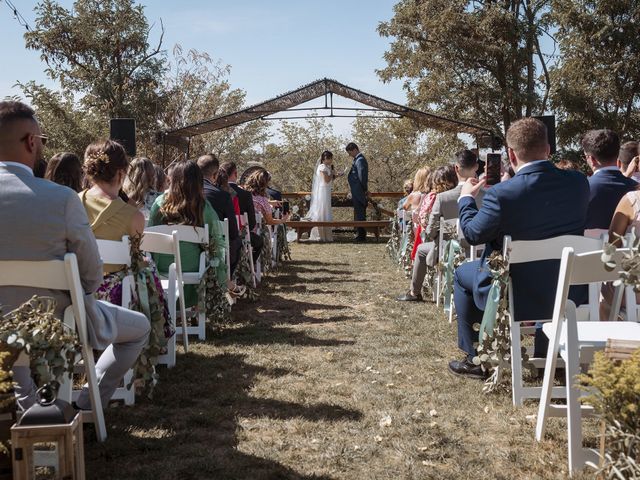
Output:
(358, 182)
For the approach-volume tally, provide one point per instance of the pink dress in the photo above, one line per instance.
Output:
(262, 205)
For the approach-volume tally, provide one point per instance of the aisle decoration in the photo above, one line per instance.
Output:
(405, 252)
(393, 245)
(243, 275)
(147, 298)
(266, 252)
(494, 347)
(282, 245)
(453, 257)
(51, 346)
(211, 295)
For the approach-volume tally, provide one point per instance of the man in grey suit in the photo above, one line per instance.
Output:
(359, 183)
(445, 206)
(43, 221)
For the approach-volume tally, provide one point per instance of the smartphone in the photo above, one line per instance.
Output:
(492, 168)
(285, 207)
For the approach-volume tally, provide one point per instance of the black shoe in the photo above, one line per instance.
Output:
(407, 297)
(360, 239)
(465, 368)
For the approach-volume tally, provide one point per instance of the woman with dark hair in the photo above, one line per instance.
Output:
(65, 169)
(184, 204)
(139, 185)
(257, 183)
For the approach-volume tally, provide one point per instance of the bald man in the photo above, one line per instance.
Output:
(42, 220)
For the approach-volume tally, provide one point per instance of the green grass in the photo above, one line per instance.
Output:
(326, 377)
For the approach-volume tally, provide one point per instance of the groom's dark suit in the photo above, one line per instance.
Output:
(359, 183)
(540, 202)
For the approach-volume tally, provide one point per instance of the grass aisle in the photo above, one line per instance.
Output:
(326, 377)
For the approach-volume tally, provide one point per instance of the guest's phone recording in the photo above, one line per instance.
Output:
(493, 169)
(285, 207)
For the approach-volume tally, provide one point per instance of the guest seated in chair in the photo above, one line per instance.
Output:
(445, 205)
(608, 184)
(65, 169)
(257, 184)
(184, 204)
(47, 221)
(106, 165)
(245, 201)
(539, 202)
(221, 202)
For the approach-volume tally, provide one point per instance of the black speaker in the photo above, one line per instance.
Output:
(123, 131)
(550, 122)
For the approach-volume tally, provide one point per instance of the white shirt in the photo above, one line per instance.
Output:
(612, 167)
(16, 164)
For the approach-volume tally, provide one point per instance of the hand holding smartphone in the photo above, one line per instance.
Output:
(493, 169)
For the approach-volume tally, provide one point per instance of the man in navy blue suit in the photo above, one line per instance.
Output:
(359, 183)
(539, 202)
(607, 184)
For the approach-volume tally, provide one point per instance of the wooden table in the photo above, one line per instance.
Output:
(372, 225)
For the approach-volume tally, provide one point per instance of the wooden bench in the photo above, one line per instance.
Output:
(373, 225)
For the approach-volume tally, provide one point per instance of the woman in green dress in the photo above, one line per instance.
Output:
(184, 204)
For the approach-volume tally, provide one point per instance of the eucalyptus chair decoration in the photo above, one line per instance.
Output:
(34, 329)
(244, 273)
(147, 301)
(282, 245)
(211, 295)
(452, 259)
(393, 245)
(494, 333)
(405, 251)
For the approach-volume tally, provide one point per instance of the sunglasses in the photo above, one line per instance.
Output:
(43, 138)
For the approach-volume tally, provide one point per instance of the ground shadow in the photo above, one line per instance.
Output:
(192, 428)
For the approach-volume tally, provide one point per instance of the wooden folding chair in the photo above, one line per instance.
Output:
(63, 275)
(532, 251)
(576, 341)
(168, 244)
(119, 253)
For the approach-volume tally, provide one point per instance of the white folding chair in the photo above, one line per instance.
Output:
(119, 253)
(576, 341)
(259, 227)
(532, 251)
(199, 236)
(443, 244)
(244, 220)
(63, 275)
(224, 224)
(168, 244)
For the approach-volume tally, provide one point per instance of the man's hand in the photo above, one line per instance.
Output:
(472, 186)
(632, 168)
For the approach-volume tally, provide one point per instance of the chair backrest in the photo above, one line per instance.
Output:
(156, 242)
(115, 252)
(450, 225)
(186, 233)
(583, 268)
(225, 228)
(523, 251)
(52, 275)
(596, 233)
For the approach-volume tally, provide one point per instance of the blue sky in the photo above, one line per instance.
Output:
(272, 45)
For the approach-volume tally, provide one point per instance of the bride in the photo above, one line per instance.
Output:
(320, 208)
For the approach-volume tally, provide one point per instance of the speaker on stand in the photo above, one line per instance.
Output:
(549, 122)
(123, 131)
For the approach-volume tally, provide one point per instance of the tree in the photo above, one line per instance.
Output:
(396, 148)
(292, 161)
(195, 88)
(100, 53)
(596, 83)
(474, 60)
(68, 127)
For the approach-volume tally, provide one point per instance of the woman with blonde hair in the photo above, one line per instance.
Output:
(139, 184)
(257, 183)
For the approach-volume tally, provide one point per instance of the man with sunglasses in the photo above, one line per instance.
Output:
(42, 220)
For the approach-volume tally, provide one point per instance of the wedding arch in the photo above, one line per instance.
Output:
(289, 102)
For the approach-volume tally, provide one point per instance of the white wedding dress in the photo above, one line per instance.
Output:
(320, 208)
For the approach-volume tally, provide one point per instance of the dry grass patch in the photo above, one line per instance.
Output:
(326, 377)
